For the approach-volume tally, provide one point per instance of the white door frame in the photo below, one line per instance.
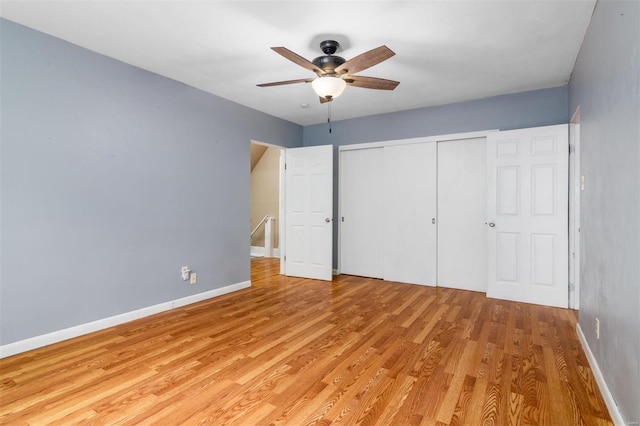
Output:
(575, 188)
(283, 217)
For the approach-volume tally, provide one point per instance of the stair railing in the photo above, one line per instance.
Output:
(268, 234)
(264, 219)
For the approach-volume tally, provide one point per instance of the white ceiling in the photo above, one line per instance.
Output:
(446, 51)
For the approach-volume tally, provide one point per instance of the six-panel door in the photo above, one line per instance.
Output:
(527, 204)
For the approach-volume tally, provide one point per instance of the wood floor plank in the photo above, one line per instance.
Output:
(450, 400)
(291, 351)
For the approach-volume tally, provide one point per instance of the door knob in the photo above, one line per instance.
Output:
(327, 220)
(491, 224)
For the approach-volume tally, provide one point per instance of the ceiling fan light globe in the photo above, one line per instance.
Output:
(328, 87)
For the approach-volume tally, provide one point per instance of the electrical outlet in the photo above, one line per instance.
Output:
(194, 278)
(597, 328)
(185, 271)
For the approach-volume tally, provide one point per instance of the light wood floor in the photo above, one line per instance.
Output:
(295, 351)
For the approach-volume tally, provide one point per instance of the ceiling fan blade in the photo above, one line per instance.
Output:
(294, 57)
(365, 60)
(281, 83)
(370, 82)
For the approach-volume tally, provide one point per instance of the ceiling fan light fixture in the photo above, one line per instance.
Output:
(328, 87)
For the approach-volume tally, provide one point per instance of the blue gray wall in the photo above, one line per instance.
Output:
(606, 85)
(514, 111)
(112, 178)
(505, 112)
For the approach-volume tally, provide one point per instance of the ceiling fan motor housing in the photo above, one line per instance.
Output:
(328, 63)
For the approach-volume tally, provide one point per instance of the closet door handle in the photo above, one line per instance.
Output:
(492, 225)
(327, 220)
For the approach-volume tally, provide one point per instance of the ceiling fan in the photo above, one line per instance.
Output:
(335, 73)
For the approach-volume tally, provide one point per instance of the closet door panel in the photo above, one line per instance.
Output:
(361, 211)
(462, 234)
(409, 213)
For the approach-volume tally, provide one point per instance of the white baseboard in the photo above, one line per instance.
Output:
(79, 330)
(614, 411)
(257, 251)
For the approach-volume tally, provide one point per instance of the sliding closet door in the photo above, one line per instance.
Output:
(409, 213)
(462, 234)
(361, 212)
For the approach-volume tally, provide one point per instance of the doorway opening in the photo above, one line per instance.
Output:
(266, 198)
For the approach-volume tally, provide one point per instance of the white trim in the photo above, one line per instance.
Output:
(614, 411)
(574, 215)
(79, 330)
(282, 206)
(575, 118)
(437, 138)
(258, 251)
(268, 145)
(338, 242)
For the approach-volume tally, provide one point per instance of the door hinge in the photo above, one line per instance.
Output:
(285, 166)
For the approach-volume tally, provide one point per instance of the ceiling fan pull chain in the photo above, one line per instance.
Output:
(329, 116)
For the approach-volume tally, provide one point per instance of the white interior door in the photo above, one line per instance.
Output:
(361, 210)
(462, 214)
(409, 215)
(309, 210)
(527, 211)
